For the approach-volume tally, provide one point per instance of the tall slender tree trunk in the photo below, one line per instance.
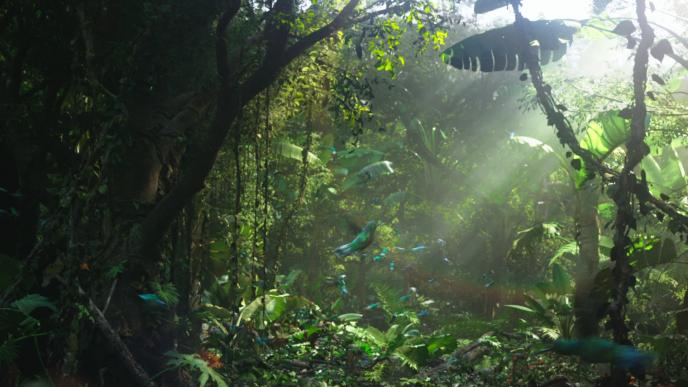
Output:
(585, 307)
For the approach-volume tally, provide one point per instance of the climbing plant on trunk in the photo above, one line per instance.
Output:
(528, 45)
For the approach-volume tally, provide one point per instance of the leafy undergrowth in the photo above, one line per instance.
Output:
(281, 339)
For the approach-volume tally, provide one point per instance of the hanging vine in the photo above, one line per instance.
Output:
(256, 194)
(266, 193)
(629, 186)
(234, 248)
(274, 252)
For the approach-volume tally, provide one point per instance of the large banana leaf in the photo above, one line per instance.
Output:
(604, 134)
(499, 49)
(355, 158)
(665, 172)
(294, 152)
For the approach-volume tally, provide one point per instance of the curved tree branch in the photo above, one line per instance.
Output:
(323, 32)
(231, 98)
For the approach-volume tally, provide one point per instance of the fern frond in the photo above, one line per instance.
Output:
(167, 292)
(195, 363)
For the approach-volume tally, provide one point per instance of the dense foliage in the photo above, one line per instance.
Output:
(399, 192)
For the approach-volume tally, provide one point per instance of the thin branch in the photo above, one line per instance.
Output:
(113, 339)
(231, 99)
(371, 15)
(678, 60)
(311, 39)
(109, 297)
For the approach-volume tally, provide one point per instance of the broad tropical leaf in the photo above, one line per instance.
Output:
(355, 158)
(569, 248)
(665, 172)
(605, 133)
(294, 152)
(561, 280)
(498, 49)
(31, 302)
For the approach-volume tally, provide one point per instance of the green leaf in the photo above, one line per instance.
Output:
(520, 308)
(358, 156)
(195, 363)
(606, 211)
(276, 306)
(535, 305)
(167, 292)
(218, 312)
(376, 335)
(31, 302)
(569, 248)
(203, 379)
(347, 317)
(294, 152)
(659, 252)
(413, 356)
(665, 172)
(441, 344)
(561, 281)
(499, 48)
(603, 135)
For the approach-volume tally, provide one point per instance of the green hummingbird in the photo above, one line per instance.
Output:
(362, 240)
(597, 350)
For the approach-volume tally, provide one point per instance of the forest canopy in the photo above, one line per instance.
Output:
(344, 193)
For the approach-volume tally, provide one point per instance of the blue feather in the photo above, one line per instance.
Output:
(153, 298)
